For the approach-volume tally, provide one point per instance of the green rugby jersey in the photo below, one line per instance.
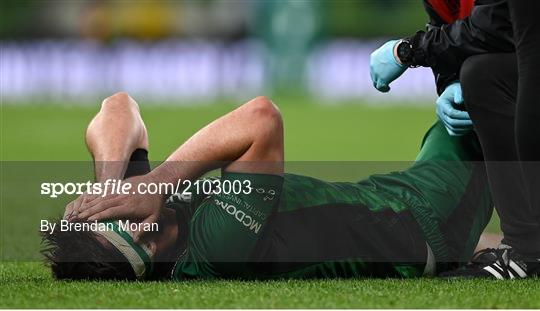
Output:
(384, 226)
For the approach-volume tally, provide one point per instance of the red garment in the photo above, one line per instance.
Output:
(451, 10)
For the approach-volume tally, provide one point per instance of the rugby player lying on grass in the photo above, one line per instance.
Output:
(404, 224)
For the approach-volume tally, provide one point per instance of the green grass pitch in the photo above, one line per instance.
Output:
(313, 133)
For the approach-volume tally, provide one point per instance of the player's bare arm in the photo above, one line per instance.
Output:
(111, 137)
(250, 138)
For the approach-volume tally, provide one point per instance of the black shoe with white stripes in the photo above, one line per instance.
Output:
(497, 263)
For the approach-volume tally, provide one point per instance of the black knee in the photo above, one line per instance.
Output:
(489, 82)
(475, 78)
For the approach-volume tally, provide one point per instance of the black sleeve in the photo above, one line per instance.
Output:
(444, 48)
(138, 164)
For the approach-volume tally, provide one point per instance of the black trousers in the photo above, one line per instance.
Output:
(526, 25)
(490, 90)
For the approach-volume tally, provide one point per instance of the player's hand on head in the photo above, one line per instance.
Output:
(383, 66)
(450, 110)
(134, 205)
(74, 207)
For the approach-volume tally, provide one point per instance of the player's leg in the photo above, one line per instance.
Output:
(526, 33)
(113, 136)
(226, 226)
(490, 87)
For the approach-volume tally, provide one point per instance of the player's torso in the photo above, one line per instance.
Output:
(338, 229)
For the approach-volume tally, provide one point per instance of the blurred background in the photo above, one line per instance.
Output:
(183, 52)
(187, 62)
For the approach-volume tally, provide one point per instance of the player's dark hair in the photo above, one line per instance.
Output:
(78, 255)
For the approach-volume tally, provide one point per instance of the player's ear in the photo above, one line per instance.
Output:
(152, 247)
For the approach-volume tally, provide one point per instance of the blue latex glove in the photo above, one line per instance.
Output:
(457, 122)
(383, 66)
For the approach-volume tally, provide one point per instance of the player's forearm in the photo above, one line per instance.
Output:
(221, 142)
(214, 146)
